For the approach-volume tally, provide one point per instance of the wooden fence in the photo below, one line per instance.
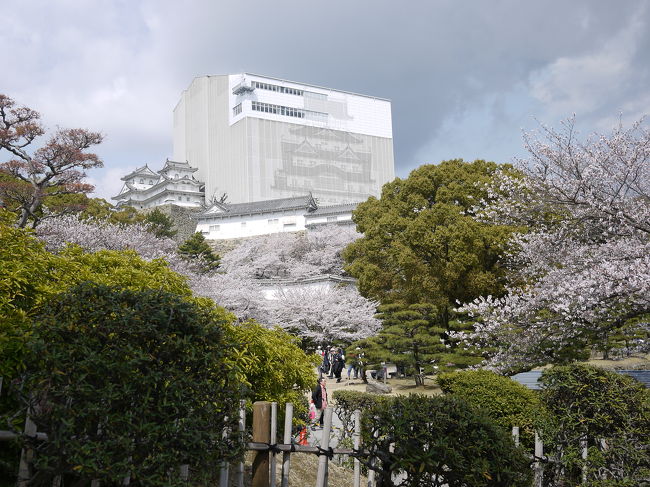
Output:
(267, 450)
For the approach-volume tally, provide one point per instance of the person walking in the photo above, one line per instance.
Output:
(325, 365)
(338, 364)
(319, 398)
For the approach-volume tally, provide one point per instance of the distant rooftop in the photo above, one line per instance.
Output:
(531, 379)
(226, 210)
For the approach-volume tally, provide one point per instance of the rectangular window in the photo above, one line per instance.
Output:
(236, 110)
(273, 221)
(215, 228)
(289, 226)
(243, 224)
(331, 219)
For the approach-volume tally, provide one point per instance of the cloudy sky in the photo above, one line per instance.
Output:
(464, 77)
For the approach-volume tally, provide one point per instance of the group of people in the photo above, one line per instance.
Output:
(333, 363)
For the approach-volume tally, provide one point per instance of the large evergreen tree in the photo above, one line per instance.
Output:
(421, 247)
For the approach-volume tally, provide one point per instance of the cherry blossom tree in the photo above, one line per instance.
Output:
(323, 315)
(56, 168)
(583, 272)
(291, 255)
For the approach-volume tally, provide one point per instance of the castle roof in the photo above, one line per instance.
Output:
(141, 171)
(225, 210)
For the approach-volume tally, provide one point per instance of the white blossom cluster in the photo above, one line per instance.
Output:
(583, 269)
(322, 316)
(291, 255)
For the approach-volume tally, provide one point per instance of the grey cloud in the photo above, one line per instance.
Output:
(444, 64)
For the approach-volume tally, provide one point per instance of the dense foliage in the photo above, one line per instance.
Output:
(611, 412)
(410, 338)
(274, 366)
(267, 363)
(160, 224)
(129, 383)
(419, 243)
(507, 402)
(440, 441)
(581, 275)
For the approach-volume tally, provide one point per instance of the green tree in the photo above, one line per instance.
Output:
(161, 225)
(421, 246)
(135, 382)
(196, 248)
(24, 277)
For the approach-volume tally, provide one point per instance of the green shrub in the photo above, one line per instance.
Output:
(346, 402)
(130, 382)
(599, 405)
(440, 440)
(505, 401)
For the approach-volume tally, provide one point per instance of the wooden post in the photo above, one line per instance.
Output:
(585, 454)
(515, 435)
(261, 434)
(185, 472)
(242, 432)
(286, 456)
(357, 444)
(25, 466)
(321, 475)
(273, 441)
(539, 467)
(224, 469)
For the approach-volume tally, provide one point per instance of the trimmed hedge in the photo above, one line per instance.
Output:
(440, 440)
(507, 402)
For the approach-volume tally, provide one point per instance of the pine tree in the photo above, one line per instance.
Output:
(410, 337)
(195, 247)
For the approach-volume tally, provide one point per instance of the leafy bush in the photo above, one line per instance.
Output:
(611, 411)
(347, 402)
(274, 367)
(505, 401)
(130, 382)
(440, 440)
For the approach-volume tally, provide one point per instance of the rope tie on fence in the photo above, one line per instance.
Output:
(359, 452)
(328, 452)
(274, 448)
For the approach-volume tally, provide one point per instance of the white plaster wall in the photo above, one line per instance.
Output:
(318, 219)
(252, 225)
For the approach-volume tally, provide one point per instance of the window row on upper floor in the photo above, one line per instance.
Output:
(279, 89)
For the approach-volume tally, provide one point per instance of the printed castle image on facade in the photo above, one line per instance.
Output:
(335, 162)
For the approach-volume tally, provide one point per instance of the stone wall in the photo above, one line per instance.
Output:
(184, 224)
